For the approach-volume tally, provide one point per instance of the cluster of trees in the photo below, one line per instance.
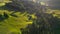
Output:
(43, 25)
(28, 6)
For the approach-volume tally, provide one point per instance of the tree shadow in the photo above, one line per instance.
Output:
(39, 25)
(24, 6)
(3, 17)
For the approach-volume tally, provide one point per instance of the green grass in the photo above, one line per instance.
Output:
(13, 24)
(56, 13)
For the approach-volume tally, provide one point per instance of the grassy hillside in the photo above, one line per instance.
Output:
(12, 22)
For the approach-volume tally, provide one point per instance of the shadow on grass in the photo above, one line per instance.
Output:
(3, 17)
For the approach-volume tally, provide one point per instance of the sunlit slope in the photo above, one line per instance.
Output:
(14, 22)
(54, 12)
(2, 2)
